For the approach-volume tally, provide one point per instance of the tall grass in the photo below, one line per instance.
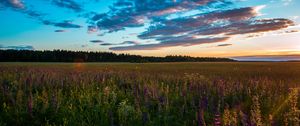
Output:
(150, 94)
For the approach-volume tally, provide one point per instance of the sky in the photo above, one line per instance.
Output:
(218, 28)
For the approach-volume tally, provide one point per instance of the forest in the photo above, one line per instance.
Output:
(87, 56)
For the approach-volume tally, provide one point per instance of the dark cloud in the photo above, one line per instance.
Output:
(117, 23)
(92, 29)
(33, 13)
(20, 7)
(60, 31)
(67, 24)
(257, 26)
(184, 41)
(107, 44)
(16, 4)
(246, 27)
(129, 42)
(254, 35)
(64, 24)
(19, 47)
(96, 41)
(205, 24)
(222, 45)
(134, 13)
(122, 43)
(69, 4)
(97, 17)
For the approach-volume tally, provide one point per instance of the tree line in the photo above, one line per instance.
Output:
(86, 56)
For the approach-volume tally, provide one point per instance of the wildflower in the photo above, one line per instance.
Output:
(125, 111)
(293, 115)
(255, 112)
(30, 105)
(106, 90)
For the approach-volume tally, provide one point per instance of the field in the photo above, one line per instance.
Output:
(153, 94)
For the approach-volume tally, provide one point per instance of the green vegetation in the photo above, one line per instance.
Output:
(174, 94)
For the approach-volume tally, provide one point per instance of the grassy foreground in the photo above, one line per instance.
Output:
(173, 94)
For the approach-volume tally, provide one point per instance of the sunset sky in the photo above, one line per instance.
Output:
(222, 28)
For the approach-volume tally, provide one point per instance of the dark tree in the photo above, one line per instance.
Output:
(82, 56)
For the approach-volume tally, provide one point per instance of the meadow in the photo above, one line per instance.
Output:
(150, 94)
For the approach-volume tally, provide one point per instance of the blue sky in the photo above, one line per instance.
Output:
(224, 28)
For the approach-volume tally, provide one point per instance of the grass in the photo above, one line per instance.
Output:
(150, 94)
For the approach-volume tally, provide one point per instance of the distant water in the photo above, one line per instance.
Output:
(268, 58)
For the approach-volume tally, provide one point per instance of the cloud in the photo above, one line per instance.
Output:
(212, 23)
(60, 31)
(67, 24)
(257, 26)
(97, 17)
(64, 24)
(122, 43)
(107, 44)
(223, 45)
(254, 35)
(246, 27)
(291, 31)
(294, 17)
(166, 22)
(135, 13)
(129, 42)
(117, 23)
(19, 6)
(287, 31)
(92, 29)
(286, 2)
(69, 4)
(184, 41)
(16, 4)
(84, 46)
(171, 23)
(96, 41)
(19, 47)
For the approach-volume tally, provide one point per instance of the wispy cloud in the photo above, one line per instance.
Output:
(107, 44)
(96, 41)
(223, 45)
(19, 47)
(184, 41)
(286, 2)
(64, 24)
(20, 6)
(60, 31)
(122, 43)
(291, 31)
(69, 4)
